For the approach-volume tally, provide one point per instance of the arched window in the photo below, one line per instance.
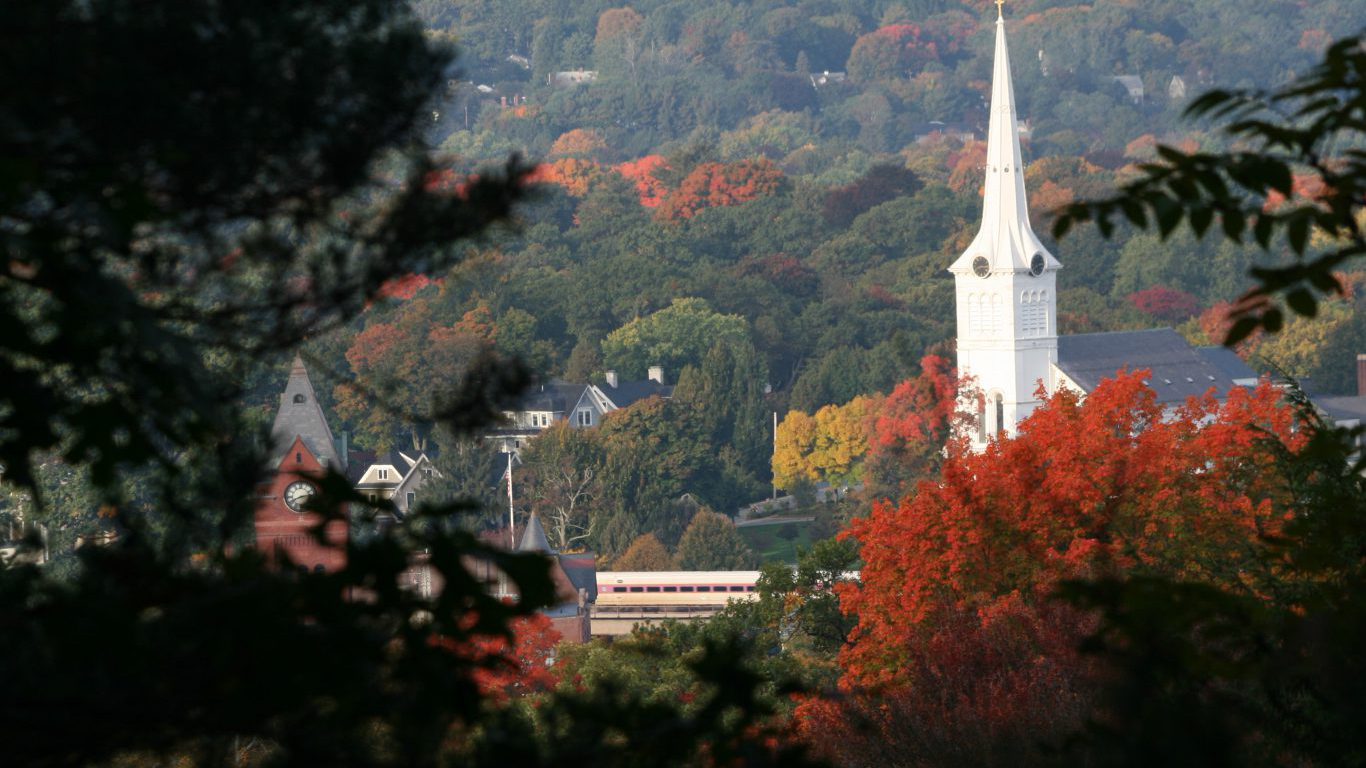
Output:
(299, 399)
(981, 420)
(1000, 416)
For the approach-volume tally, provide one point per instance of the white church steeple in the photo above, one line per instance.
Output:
(1006, 238)
(1006, 281)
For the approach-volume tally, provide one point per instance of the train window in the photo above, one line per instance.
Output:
(749, 588)
(737, 589)
(704, 589)
(637, 589)
(652, 589)
(671, 589)
(685, 589)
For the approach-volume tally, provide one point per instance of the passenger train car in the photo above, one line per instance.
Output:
(701, 589)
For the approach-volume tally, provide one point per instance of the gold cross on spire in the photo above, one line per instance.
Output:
(999, 5)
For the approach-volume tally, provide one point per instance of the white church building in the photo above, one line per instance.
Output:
(1007, 304)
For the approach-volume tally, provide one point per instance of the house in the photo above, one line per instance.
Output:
(822, 79)
(1006, 295)
(1176, 91)
(572, 77)
(1133, 85)
(395, 477)
(583, 405)
(961, 132)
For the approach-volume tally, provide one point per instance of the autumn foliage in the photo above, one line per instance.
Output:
(1166, 304)
(958, 634)
(719, 184)
(901, 433)
(892, 51)
(514, 667)
(644, 173)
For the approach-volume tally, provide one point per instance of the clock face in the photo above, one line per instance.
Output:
(297, 494)
(981, 267)
(1036, 265)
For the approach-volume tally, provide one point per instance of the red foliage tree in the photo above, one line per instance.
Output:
(405, 287)
(908, 428)
(644, 174)
(1166, 304)
(519, 667)
(1088, 486)
(990, 682)
(957, 577)
(892, 51)
(720, 184)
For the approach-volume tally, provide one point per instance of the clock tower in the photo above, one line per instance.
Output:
(1006, 281)
(303, 450)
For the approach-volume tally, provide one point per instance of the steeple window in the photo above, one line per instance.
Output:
(1034, 313)
(984, 314)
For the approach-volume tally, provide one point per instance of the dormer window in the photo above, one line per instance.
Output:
(384, 474)
(300, 399)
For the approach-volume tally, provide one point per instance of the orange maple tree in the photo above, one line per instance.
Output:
(956, 617)
(1112, 483)
(644, 174)
(719, 184)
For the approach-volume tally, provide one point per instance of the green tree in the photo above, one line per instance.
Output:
(711, 543)
(188, 191)
(1253, 193)
(679, 335)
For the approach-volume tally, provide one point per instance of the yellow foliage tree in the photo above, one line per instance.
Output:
(829, 446)
(791, 448)
(841, 440)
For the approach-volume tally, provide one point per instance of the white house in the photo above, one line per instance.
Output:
(583, 405)
(396, 477)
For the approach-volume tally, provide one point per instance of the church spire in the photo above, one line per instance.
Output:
(301, 415)
(1005, 240)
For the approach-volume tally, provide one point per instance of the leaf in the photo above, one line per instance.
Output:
(1242, 328)
(1297, 230)
(1303, 302)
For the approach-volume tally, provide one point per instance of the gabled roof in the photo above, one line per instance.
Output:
(582, 570)
(554, 396)
(628, 392)
(300, 415)
(1178, 370)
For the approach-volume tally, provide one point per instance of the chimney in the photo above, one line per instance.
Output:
(612, 379)
(1361, 375)
(657, 373)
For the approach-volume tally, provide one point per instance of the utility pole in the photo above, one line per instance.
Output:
(774, 455)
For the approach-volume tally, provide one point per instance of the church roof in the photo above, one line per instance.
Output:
(1006, 238)
(1179, 371)
(1343, 408)
(300, 415)
(533, 537)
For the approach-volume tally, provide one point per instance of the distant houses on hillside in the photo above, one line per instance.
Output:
(582, 405)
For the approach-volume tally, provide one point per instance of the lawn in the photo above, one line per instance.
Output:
(777, 542)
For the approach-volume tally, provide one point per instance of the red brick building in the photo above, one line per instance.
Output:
(303, 450)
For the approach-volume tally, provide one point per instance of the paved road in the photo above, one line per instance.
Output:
(774, 521)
